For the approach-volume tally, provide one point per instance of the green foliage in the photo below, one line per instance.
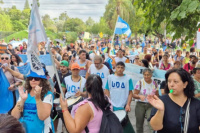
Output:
(26, 5)
(14, 14)
(18, 25)
(75, 25)
(63, 16)
(1, 2)
(5, 23)
(71, 36)
(20, 35)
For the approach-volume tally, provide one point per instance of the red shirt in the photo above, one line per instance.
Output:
(187, 66)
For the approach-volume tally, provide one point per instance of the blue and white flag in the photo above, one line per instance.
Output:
(122, 27)
(6, 96)
(36, 35)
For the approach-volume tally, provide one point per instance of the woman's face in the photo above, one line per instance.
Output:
(177, 65)
(13, 58)
(147, 76)
(197, 74)
(66, 57)
(165, 58)
(176, 84)
(34, 82)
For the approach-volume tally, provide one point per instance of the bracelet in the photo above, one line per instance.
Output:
(64, 110)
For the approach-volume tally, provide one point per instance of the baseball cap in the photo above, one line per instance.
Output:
(75, 66)
(64, 63)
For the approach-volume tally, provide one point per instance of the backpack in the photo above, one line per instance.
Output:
(110, 123)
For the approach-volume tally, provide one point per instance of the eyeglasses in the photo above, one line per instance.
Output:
(36, 79)
(137, 58)
(182, 119)
(2, 58)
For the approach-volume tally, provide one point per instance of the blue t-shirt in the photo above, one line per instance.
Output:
(30, 116)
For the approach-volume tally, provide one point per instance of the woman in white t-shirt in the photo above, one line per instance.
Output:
(143, 88)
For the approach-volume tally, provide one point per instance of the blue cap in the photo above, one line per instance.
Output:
(35, 75)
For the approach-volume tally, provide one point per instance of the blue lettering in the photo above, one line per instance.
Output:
(102, 75)
(113, 84)
(73, 88)
(122, 86)
(117, 84)
(98, 74)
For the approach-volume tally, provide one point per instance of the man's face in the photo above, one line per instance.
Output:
(194, 60)
(145, 49)
(82, 56)
(119, 69)
(120, 53)
(5, 59)
(97, 64)
(63, 69)
(75, 72)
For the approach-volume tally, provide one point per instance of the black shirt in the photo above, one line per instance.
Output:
(171, 120)
(61, 77)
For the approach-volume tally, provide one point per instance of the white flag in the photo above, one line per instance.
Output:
(36, 35)
(198, 39)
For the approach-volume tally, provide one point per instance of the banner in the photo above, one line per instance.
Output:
(3, 48)
(6, 96)
(36, 35)
(122, 27)
(46, 59)
(135, 72)
(198, 39)
(24, 69)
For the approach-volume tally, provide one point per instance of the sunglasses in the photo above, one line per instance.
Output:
(136, 58)
(36, 79)
(2, 58)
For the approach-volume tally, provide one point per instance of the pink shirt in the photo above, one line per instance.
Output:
(95, 123)
(165, 68)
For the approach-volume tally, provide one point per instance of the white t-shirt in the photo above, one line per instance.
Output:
(146, 89)
(123, 59)
(72, 87)
(119, 88)
(103, 73)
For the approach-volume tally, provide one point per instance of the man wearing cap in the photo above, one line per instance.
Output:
(74, 84)
(120, 57)
(62, 73)
(191, 65)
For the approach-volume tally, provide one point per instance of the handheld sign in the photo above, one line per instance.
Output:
(3, 48)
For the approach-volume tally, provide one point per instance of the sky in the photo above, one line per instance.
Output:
(74, 8)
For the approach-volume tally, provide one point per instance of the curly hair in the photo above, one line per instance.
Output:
(18, 59)
(185, 77)
(43, 83)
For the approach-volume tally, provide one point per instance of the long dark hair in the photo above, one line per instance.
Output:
(18, 59)
(185, 77)
(43, 83)
(94, 87)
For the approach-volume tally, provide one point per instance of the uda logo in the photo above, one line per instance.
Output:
(118, 85)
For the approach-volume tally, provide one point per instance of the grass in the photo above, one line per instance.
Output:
(21, 35)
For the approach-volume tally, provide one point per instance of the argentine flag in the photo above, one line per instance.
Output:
(122, 27)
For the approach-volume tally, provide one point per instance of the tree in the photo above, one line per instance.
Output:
(18, 25)
(89, 23)
(75, 24)
(26, 5)
(1, 2)
(123, 8)
(178, 16)
(63, 16)
(5, 23)
(14, 14)
(25, 16)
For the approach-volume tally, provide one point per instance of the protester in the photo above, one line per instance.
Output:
(83, 63)
(119, 88)
(136, 61)
(56, 54)
(143, 88)
(144, 63)
(10, 49)
(191, 65)
(16, 60)
(9, 124)
(196, 78)
(179, 57)
(74, 84)
(165, 65)
(35, 104)
(177, 65)
(88, 112)
(177, 111)
(100, 69)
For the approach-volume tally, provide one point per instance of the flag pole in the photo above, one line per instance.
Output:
(114, 32)
(56, 72)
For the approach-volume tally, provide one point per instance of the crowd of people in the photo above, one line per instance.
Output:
(94, 71)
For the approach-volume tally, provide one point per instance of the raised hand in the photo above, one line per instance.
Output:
(156, 102)
(22, 94)
(37, 91)
(63, 103)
